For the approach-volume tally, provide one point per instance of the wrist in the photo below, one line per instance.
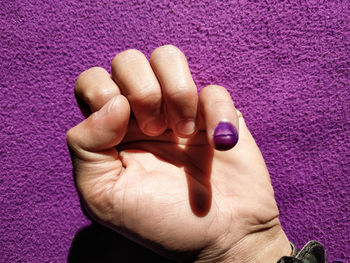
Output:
(264, 246)
(267, 246)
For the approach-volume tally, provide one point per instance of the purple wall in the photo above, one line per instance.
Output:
(286, 65)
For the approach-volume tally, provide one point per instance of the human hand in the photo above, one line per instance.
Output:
(158, 175)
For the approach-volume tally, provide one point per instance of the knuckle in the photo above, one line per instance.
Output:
(100, 94)
(86, 75)
(83, 83)
(165, 50)
(78, 82)
(215, 94)
(215, 88)
(127, 56)
(69, 135)
(95, 70)
(222, 103)
(95, 95)
(89, 97)
(182, 93)
(147, 97)
(70, 139)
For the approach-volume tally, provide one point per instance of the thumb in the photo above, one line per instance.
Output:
(101, 131)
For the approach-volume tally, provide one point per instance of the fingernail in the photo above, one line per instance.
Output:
(154, 126)
(186, 127)
(225, 136)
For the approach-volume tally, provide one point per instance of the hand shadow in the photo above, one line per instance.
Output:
(96, 243)
(195, 157)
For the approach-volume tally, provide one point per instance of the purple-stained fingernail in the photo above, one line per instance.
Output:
(225, 136)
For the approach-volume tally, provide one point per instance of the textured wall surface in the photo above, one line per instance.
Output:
(286, 64)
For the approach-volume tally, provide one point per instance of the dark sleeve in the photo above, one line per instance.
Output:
(312, 252)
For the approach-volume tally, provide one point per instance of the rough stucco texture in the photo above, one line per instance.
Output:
(286, 65)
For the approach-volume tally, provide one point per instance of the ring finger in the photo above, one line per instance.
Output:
(134, 75)
(178, 88)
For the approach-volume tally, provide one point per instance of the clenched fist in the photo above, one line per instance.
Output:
(173, 170)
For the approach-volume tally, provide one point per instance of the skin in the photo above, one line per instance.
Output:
(155, 176)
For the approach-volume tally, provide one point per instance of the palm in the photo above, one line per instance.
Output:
(182, 194)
